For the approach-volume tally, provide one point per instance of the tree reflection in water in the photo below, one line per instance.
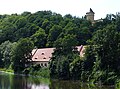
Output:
(8, 81)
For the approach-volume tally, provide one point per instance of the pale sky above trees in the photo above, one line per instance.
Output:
(74, 7)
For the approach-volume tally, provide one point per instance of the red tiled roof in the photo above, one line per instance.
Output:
(45, 54)
(42, 54)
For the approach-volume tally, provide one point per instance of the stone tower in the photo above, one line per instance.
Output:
(90, 15)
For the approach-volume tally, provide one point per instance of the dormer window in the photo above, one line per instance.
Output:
(36, 57)
(43, 53)
(44, 58)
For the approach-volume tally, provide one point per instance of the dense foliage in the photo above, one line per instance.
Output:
(102, 55)
(19, 34)
(43, 27)
(22, 54)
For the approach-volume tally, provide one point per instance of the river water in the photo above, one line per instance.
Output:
(10, 81)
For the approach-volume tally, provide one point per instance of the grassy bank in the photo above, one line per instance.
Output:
(6, 70)
(35, 70)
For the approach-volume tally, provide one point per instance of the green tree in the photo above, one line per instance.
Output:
(7, 30)
(22, 54)
(1, 61)
(76, 67)
(46, 25)
(66, 44)
(39, 38)
(105, 50)
(107, 41)
(6, 53)
(62, 57)
(21, 22)
(54, 34)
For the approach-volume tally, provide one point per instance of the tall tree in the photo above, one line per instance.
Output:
(104, 52)
(62, 57)
(108, 48)
(6, 49)
(39, 38)
(54, 34)
(22, 54)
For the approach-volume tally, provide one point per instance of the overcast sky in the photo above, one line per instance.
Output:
(74, 7)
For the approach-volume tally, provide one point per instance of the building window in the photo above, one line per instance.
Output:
(41, 64)
(45, 64)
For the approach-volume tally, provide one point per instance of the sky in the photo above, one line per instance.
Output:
(76, 8)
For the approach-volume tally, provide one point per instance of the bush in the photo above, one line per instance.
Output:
(36, 70)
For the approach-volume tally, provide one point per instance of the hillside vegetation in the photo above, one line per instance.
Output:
(19, 34)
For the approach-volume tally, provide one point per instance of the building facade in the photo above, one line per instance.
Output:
(42, 56)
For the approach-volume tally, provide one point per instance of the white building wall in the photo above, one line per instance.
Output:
(42, 64)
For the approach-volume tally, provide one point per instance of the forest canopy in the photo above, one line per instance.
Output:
(21, 33)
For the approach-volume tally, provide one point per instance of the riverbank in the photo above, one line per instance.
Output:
(10, 71)
(41, 72)
(22, 82)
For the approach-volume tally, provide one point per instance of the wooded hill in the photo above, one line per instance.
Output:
(19, 34)
(43, 27)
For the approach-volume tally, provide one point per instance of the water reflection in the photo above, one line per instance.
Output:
(75, 85)
(8, 81)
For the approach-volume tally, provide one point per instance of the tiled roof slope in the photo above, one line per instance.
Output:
(45, 54)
